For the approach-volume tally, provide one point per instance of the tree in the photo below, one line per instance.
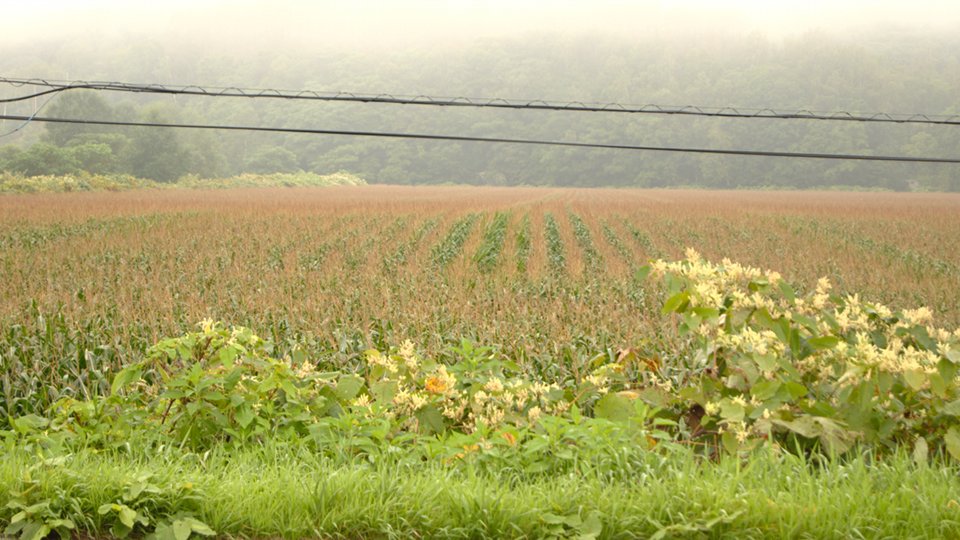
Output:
(43, 159)
(77, 104)
(271, 159)
(156, 152)
(94, 157)
(8, 154)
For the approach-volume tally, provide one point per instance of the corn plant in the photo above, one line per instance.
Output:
(488, 255)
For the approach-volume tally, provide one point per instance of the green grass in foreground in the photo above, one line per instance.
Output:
(277, 491)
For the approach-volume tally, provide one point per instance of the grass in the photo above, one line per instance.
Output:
(278, 491)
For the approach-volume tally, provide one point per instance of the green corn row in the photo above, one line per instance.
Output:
(400, 256)
(555, 253)
(643, 239)
(582, 233)
(523, 244)
(616, 243)
(451, 245)
(488, 254)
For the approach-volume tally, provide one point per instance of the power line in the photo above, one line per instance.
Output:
(54, 86)
(29, 118)
(464, 138)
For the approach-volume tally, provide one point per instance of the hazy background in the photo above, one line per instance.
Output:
(899, 57)
(404, 22)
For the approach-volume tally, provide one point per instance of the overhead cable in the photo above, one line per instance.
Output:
(466, 138)
(54, 86)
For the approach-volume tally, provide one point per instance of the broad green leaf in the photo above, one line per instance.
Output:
(200, 527)
(823, 342)
(676, 302)
(765, 390)
(729, 442)
(738, 318)
(29, 423)
(766, 362)
(762, 318)
(244, 417)
(125, 377)
(796, 390)
(938, 384)
(592, 527)
(348, 387)
(164, 531)
(781, 328)
(614, 407)
(805, 426)
(61, 526)
(431, 420)
(952, 408)
(952, 441)
(383, 391)
(923, 338)
(786, 290)
(947, 369)
(289, 389)
(655, 396)
(227, 355)
(915, 378)
(731, 411)
(127, 515)
(808, 322)
(553, 519)
(920, 451)
(182, 529)
(834, 436)
(35, 531)
(707, 313)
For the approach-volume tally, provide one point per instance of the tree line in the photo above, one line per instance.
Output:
(872, 72)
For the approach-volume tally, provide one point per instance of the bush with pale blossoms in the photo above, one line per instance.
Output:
(762, 362)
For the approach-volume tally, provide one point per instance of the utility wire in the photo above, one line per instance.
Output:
(29, 118)
(54, 86)
(464, 138)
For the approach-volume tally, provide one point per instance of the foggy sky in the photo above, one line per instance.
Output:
(379, 23)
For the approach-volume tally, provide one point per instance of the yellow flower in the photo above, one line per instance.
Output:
(206, 325)
(436, 385)
(918, 316)
(408, 354)
(494, 385)
(362, 401)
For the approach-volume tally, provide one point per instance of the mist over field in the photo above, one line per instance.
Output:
(850, 56)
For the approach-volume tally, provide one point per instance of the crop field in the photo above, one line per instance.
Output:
(377, 290)
(535, 271)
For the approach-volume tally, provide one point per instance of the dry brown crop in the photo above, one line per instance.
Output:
(90, 279)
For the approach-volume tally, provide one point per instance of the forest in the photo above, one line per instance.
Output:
(876, 71)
